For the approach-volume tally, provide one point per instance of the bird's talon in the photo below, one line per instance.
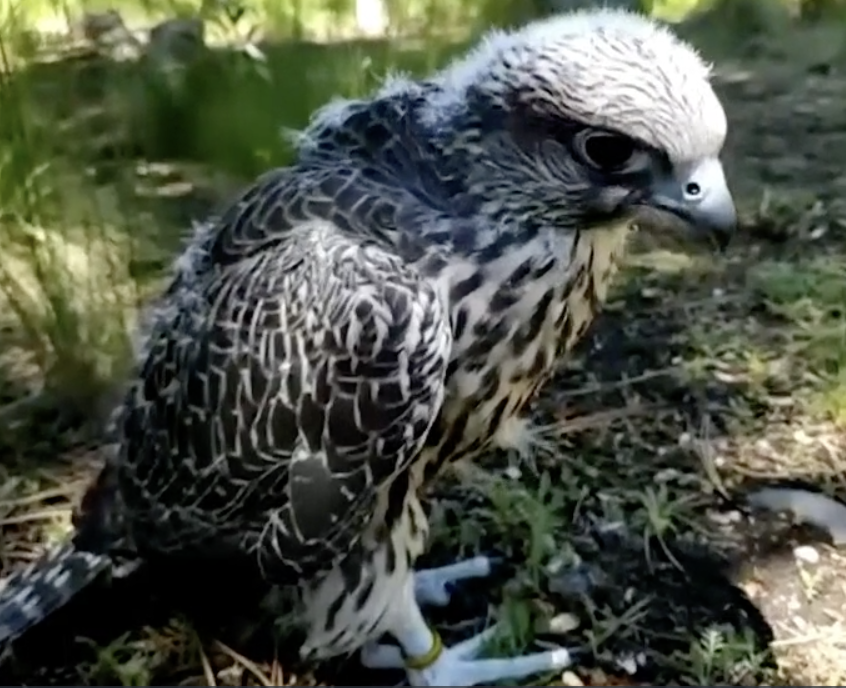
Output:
(436, 586)
(457, 666)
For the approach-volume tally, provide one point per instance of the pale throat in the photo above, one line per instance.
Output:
(587, 264)
(547, 316)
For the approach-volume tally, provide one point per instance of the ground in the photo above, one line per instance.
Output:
(626, 530)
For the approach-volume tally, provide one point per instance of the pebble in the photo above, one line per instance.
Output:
(564, 623)
(807, 554)
(513, 473)
(568, 678)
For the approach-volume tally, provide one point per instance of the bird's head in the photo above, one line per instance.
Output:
(587, 119)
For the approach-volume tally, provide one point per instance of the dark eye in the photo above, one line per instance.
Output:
(605, 151)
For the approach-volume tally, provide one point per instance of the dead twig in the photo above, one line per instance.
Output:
(247, 664)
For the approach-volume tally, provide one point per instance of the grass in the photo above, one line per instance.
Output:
(705, 376)
(86, 243)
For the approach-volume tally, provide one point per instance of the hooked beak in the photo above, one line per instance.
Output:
(699, 196)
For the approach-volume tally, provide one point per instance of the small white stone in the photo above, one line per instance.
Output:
(628, 664)
(807, 554)
(564, 623)
(513, 472)
(568, 678)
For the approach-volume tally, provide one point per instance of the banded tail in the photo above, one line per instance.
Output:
(29, 596)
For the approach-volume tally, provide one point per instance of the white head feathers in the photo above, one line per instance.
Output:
(607, 68)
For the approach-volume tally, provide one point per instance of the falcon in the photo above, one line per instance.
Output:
(354, 323)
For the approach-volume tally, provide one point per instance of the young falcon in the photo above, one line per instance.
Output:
(356, 321)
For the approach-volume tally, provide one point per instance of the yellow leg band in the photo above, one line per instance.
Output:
(425, 661)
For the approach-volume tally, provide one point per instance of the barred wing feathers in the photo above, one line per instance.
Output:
(283, 388)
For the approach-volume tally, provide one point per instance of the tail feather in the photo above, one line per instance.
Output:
(31, 595)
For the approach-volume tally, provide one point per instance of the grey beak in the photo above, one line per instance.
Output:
(700, 197)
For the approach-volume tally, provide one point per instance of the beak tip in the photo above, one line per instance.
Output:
(723, 228)
(717, 221)
(722, 237)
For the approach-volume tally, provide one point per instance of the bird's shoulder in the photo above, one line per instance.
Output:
(285, 386)
(324, 316)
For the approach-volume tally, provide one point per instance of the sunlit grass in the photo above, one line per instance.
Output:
(67, 297)
(71, 232)
(810, 297)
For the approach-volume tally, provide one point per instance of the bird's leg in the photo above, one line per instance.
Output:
(434, 586)
(428, 663)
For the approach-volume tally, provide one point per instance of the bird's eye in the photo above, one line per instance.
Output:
(606, 151)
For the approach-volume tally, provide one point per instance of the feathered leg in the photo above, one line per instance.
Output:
(429, 663)
(383, 595)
